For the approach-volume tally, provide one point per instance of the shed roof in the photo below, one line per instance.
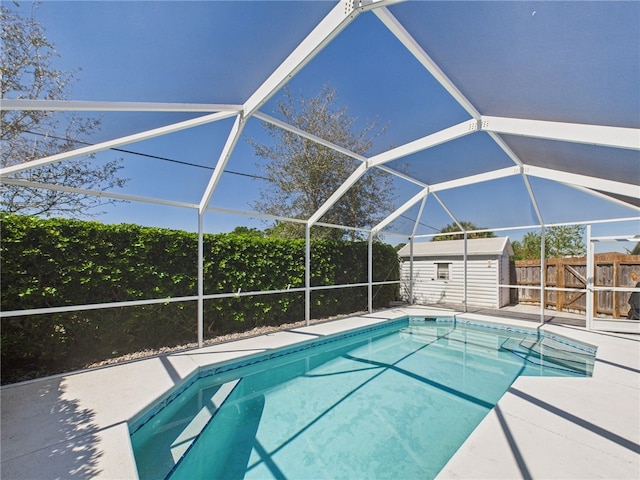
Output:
(475, 246)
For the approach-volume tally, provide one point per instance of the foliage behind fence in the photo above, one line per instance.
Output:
(58, 262)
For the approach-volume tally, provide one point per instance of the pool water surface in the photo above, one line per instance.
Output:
(394, 402)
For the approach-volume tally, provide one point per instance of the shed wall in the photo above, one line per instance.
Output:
(483, 272)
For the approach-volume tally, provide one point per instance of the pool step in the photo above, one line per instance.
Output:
(486, 344)
(547, 352)
(191, 432)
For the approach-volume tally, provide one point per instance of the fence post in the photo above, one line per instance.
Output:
(560, 283)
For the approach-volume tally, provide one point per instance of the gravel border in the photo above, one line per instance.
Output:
(254, 332)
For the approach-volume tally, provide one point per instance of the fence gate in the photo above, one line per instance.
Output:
(609, 285)
(566, 283)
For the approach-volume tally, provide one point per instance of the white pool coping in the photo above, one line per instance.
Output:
(76, 425)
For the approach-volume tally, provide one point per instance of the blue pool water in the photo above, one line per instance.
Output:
(391, 402)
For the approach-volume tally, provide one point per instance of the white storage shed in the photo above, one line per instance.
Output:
(435, 272)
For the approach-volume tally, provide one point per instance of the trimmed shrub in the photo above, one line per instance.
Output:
(59, 262)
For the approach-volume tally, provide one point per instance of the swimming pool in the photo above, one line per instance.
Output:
(391, 401)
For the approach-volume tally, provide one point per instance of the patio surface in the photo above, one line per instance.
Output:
(76, 425)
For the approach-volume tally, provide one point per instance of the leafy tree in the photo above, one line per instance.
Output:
(455, 229)
(560, 242)
(302, 174)
(528, 248)
(565, 241)
(27, 72)
(288, 230)
(247, 232)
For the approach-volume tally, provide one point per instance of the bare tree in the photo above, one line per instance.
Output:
(28, 72)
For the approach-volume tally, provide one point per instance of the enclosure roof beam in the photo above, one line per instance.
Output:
(230, 144)
(559, 224)
(419, 216)
(460, 182)
(97, 193)
(437, 138)
(478, 178)
(511, 154)
(84, 106)
(472, 179)
(600, 135)
(534, 200)
(401, 175)
(618, 188)
(617, 238)
(418, 52)
(449, 212)
(337, 195)
(400, 210)
(341, 15)
(264, 216)
(309, 136)
(606, 197)
(427, 62)
(118, 142)
(333, 146)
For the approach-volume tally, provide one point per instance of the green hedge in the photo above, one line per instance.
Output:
(58, 262)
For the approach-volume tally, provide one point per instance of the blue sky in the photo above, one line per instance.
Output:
(220, 52)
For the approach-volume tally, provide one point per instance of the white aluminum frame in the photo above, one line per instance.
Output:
(340, 16)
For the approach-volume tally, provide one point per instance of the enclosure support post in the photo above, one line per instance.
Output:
(307, 274)
(464, 293)
(590, 280)
(411, 270)
(200, 280)
(543, 273)
(370, 276)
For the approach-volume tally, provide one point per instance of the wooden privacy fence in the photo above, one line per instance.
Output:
(611, 270)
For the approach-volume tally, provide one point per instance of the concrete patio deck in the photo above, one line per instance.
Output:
(76, 425)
